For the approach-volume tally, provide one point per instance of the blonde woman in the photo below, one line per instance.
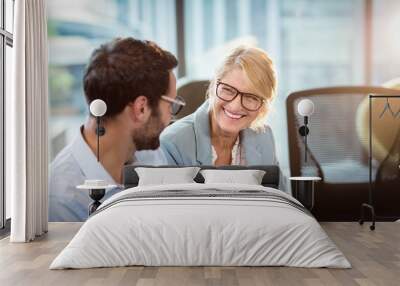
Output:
(229, 127)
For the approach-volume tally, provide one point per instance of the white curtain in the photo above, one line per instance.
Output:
(26, 119)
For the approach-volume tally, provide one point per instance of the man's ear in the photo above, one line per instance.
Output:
(139, 109)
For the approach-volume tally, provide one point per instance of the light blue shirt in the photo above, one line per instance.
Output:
(75, 164)
(188, 142)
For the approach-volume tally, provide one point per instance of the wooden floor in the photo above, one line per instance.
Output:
(375, 257)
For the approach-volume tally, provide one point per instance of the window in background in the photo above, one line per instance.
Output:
(322, 44)
(6, 43)
(313, 43)
(76, 28)
(232, 13)
(8, 85)
(9, 12)
(2, 125)
(212, 28)
(385, 41)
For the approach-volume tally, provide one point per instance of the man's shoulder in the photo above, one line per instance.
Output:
(65, 174)
(64, 162)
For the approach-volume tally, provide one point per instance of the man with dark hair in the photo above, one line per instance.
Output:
(135, 80)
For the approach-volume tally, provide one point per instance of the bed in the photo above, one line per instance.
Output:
(201, 224)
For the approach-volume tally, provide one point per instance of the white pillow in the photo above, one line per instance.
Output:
(249, 177)
(166, 176)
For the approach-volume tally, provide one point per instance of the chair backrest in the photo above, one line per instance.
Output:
(338, 133)
(194, 93)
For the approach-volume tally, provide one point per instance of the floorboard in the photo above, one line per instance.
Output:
(374, 255)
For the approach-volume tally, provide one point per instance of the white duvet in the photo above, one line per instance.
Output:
(185, 231)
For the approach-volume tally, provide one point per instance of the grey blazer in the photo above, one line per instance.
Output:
(187, 142)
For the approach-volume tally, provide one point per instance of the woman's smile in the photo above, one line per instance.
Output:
(232, 114)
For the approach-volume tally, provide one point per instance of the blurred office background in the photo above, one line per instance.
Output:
(314, 43)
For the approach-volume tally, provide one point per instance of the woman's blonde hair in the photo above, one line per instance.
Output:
(260, 71)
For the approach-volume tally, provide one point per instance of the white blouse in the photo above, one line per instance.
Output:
(237, 154)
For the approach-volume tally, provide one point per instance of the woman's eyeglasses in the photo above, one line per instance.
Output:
(228, 93)
(176, 104)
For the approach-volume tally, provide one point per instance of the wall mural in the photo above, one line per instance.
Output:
(225, 108)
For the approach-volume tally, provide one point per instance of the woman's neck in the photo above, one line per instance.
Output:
(219, 138)
(116, 148)
(222, 142)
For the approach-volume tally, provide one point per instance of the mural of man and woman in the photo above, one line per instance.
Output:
(135, 79)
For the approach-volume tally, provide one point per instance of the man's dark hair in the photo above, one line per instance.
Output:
(125, 68)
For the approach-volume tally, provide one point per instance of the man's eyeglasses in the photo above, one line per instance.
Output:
(176, 104)
(228, 93)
